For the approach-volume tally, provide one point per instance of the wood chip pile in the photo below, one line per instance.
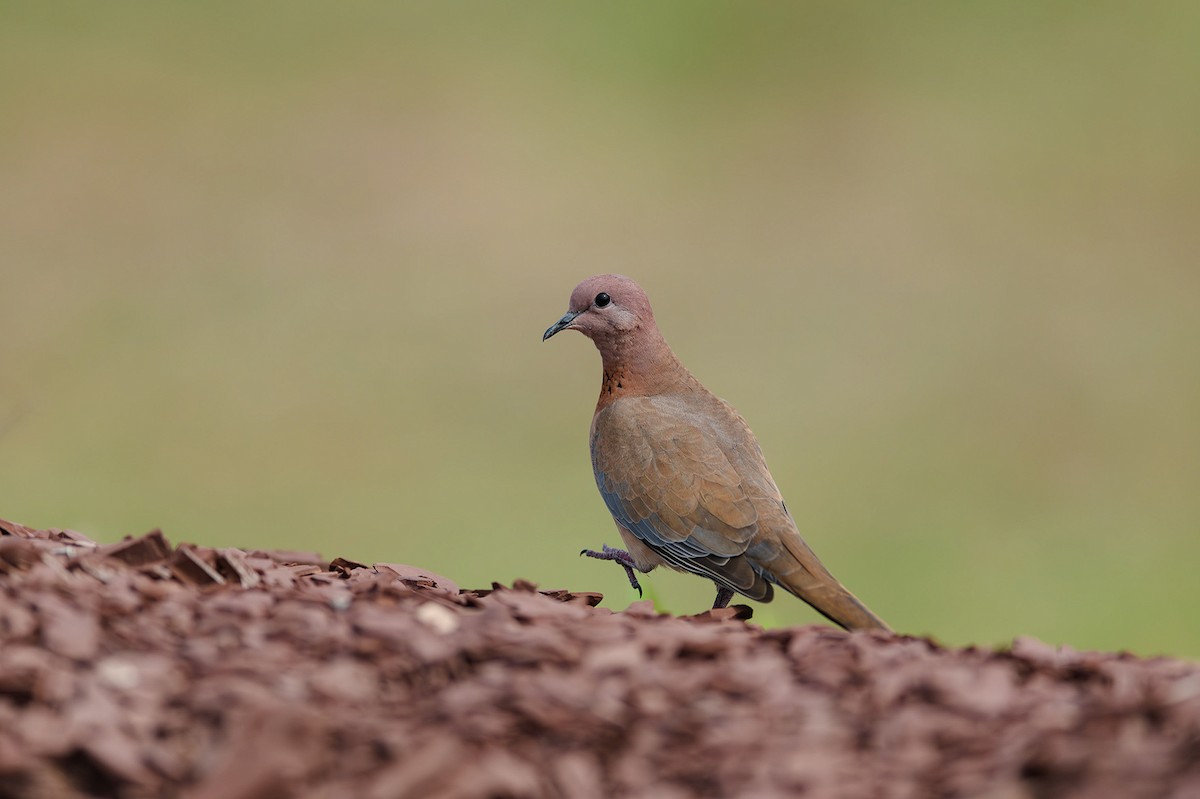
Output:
(139, 669)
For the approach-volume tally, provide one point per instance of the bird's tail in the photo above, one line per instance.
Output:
(807, 578)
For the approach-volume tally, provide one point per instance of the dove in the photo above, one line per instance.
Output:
(682, 474)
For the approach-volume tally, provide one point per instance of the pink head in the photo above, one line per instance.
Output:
(608, 309)
(615, 314)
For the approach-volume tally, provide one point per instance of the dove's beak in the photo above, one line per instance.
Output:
(561, 324)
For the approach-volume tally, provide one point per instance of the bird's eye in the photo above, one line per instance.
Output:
(602, 299)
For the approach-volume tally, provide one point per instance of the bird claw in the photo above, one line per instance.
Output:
(620, 556)
(633, 580)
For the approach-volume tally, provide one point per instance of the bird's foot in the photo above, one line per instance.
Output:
(723, 596)
(620, 556)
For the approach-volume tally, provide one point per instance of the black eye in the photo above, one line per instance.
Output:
(602, 299)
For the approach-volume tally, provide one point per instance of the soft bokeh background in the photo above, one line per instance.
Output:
(275, 274)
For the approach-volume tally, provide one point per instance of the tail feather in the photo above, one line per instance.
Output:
(807, 578)
(840, 606)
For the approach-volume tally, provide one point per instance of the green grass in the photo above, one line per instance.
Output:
(276, 276)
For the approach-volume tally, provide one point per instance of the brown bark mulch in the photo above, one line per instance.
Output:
(140, 669)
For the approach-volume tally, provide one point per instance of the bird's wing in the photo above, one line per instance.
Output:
(666, 480)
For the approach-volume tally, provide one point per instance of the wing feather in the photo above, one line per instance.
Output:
(666, 479)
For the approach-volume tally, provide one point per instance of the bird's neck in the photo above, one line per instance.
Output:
(640, 366)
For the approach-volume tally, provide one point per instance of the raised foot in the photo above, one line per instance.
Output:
(620, 556)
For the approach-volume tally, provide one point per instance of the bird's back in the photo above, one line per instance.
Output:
(683, 471)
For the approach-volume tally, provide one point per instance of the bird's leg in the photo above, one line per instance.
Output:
(620, 556)
(723, 596)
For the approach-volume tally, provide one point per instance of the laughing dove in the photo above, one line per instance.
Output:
(680, 471)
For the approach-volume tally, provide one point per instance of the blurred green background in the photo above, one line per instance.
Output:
(275, 274)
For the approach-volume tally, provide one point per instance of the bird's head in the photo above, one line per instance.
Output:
(606, 309)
